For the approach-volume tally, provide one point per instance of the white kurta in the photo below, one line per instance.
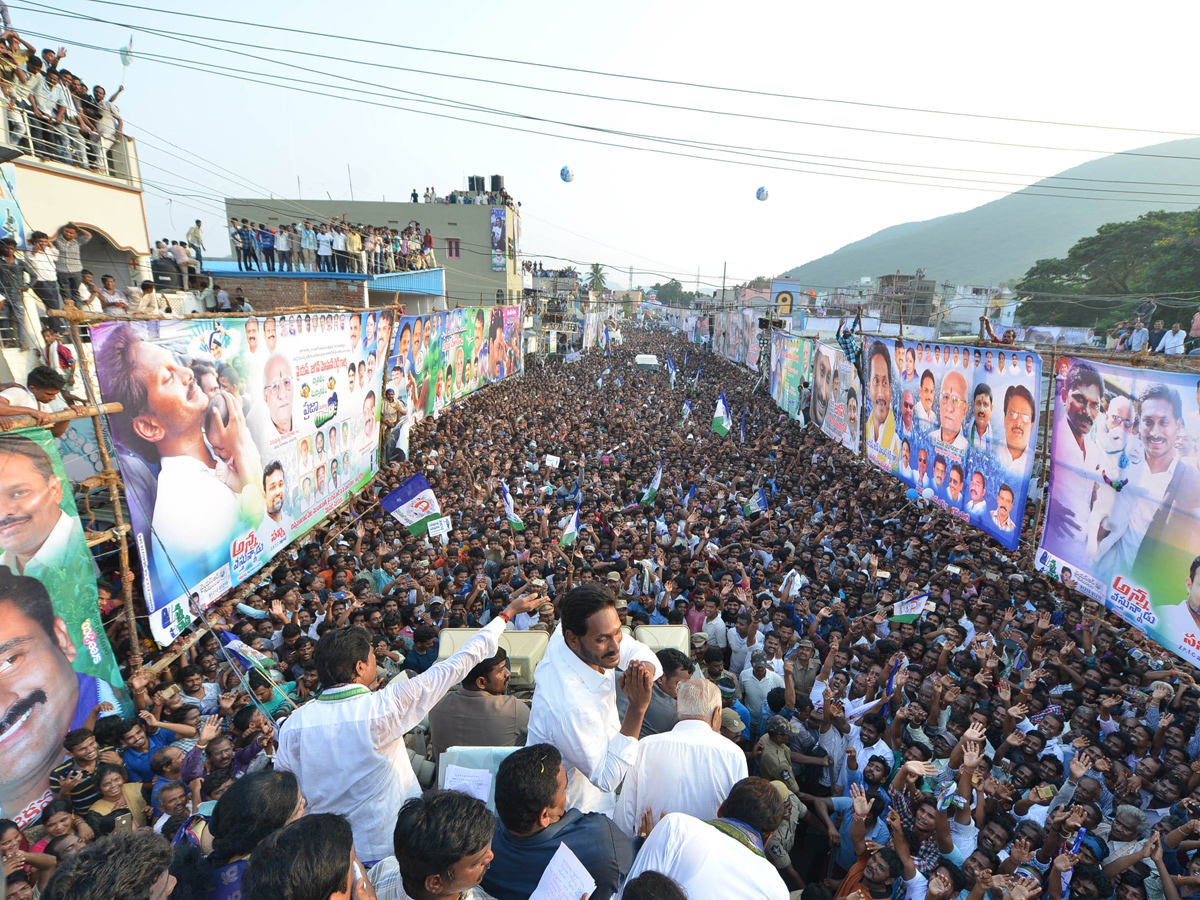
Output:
(575, 709)
(347, 746)
(689, 769)
(706, 863)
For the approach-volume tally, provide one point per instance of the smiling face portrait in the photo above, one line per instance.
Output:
(38, 688)
(278, 391)
(30, 495)
(822, 388)
(252, 334)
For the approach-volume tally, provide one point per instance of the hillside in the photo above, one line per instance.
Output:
(1000, 240)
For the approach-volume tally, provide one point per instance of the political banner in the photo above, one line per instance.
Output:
(441, 357)
(62, 664)
(413, 504)
(960, 421)
(238, 435)
(1123, 514)
(836, 396)
(499, 237)
(791, 359)
(727, 335)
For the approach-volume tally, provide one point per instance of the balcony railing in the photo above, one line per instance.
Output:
(120, 164)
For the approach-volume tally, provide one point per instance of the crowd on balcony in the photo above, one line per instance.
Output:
(534, 267)
(51, 113)
(338, 246)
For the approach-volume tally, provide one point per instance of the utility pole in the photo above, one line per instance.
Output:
(299, 193)
(724, 266)
(351, 180)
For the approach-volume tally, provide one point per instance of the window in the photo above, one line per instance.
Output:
(452, 251)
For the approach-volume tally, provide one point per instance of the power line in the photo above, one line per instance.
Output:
(645, 79)
(212, 69)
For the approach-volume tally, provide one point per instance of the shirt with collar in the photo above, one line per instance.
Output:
(575, 709)
(689, 769)
(364, 733)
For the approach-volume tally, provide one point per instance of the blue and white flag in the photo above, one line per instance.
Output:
(696, 383)
(685, 352)
(691, 494)
(413, 505)
(722, 422)
(606, 340)
(687, 411)
(671, 370)
(743, 438)
(757, 504)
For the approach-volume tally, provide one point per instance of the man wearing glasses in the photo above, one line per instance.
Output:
(948, 433)
(1074, 460)
(277, 391)
(1020, 416)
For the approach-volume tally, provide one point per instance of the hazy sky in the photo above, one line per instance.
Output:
(664, 215)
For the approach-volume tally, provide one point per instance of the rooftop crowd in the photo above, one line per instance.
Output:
(1008, 741)
(337, 246)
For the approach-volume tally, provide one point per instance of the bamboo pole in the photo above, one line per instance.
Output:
(66, 415)
(1047, 412)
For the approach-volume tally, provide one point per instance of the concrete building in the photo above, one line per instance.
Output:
(462, 238)
(907, 297)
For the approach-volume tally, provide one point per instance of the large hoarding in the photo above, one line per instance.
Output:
(791, 360)
(1123, 518)
(238, 435)
(443, 356)
(837, 396)
(61, 666)
(499, 237)
(959, 420)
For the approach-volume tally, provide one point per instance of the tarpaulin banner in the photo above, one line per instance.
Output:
(959, 420)
(785, 293)
(791, 359)
(836, 396)
(440, 357)
(499, 237)
(1123, 516)
(61, 665)
(237, 436)
(727, 335)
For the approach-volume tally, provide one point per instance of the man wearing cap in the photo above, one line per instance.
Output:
(779, 848)
(732, 726)
(480, 713)
(774, 755)
(575, 706)
(727, 685)
(689, 769)
(758, 681)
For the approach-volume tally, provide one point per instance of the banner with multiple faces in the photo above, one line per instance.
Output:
(63, 666)
(499, 227)
(440, 357)
(1123, 515)
(961, 421)
(837, 396)
(238, 435)
(791, 361)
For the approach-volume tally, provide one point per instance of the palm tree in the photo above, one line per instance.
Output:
(596, 278)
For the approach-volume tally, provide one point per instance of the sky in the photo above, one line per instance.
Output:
(208, 128)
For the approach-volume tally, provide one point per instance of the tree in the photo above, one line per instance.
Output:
(1157, 253)
(596, 278)
(673, 294)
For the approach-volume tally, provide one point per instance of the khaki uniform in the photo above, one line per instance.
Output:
(804, 677)
(779, 848)
(776, 759)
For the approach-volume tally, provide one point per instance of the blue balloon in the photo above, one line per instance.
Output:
(911, 494)
(761, 194)
(566, 174)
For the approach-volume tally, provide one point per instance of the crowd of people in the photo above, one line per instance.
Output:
(469, 197)
(339, 246)
(50, 110)
(1005, 740)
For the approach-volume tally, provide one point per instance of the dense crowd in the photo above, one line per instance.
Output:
(1005, 740)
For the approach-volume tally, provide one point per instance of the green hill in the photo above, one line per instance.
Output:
(1000, 240)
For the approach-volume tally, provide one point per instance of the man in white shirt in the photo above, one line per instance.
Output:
(347, 748)
(953, 412)
(195, 239)
(689, 769)
(758, 680)
(325, 250)
(575, 705)
(1172, 341)
(723, 857)
(1139, 338)
(744, 639)
(37, 535)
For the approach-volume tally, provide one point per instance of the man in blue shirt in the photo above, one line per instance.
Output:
(425, 649)
(531, 804)
(138, 747)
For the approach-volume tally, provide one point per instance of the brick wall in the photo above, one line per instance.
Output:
(266, 294)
